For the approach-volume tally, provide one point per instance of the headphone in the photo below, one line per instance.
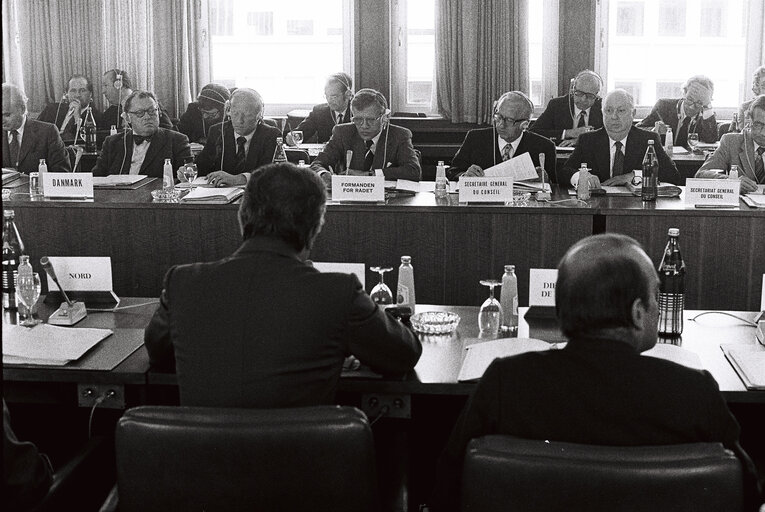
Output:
(222, 101)
(380, 101)
(118, 81)
(585, 72)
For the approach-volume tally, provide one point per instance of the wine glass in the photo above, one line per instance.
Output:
(693, 141)
(27, 293)
(381, 294)
(297, 137)
(490, 314)
(190, 173)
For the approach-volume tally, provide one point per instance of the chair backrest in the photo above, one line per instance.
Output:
(511, 474)
(196, 458)
(295, 155)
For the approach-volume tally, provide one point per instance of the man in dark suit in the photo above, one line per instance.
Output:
(69, 115)
(117, 86)
(144, 146)
(337, 110)
(369, 143)
(615, 151)
(239, 145)
(263, 327)
(599, 389)
(485, 147)
(690, 114)
(579, 111)
(26, 141)
(204, 113)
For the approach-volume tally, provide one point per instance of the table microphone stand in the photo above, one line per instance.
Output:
(69, 313)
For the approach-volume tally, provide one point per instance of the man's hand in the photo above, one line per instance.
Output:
(224, 179)
(620, 180)
(473, 171)
(660, 127)
(567, 143)
(74, 107)
(574, 133)
(747, 185)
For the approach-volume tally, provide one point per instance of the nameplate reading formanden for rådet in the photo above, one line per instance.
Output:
(365, 189)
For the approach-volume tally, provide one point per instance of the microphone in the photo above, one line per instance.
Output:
(48, 268)
(69, 313)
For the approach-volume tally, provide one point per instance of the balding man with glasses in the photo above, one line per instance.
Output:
(319, 124)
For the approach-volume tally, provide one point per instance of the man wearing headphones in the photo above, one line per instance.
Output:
(745, 149)
(370, 142)
(117, 86)
(337, 110)
(69, 115)
(200, 115)
(486, 147)
(143, 146)
(240, 144)
(579, 111)
(690, 114)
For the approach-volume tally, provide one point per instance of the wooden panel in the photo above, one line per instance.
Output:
(576, 45)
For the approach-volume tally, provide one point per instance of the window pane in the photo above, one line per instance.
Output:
(712, 18)
(420, 51)
(629, 16)
(536, 60)
(672, 18)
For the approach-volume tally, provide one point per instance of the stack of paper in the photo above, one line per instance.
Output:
(749, 363)
(117, 179)
(213, 195)
(48, 344)
(755, 199)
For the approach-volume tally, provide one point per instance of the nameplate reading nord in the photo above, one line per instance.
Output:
(493, 189)
(542, 286)
(82, 273)
(367, 189)
(74, 185)
(711, 193)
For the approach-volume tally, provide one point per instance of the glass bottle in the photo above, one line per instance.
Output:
(405, 288)
(89, 131)
(733, 174)
(509, 299)
(649, 190)
(671, 287)
(168, 181)
(279, 154)
(734, 123)
(13, 248)
(42, 168)
(583, 185)
(669, 142)
(442, 184)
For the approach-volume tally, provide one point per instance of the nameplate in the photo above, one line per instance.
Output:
(542, 286)
(82, 273)
(367, 189)
(72, 185)
(359, 269)
(492, 189)
(701, 193)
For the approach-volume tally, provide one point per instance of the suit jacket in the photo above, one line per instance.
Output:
(480, 148)
(394, 146)
(111, 117)
(559, 114)
(260, 152)
(319, 122)
(263, 328)
(164, 144)
(668, 109)
(599, 392)
(735, 149)
(55, 113)
(594, 149)
(193, 125)
(40, 140)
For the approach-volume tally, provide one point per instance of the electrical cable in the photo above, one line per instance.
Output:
(384, 410)
(92, 410)
(747, 322)
(120, 308)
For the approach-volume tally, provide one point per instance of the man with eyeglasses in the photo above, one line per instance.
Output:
(743, 149)
(143, 147)
(579, 111)
(69, 114)
(690, 114)
(616, 150)
(758, 88)
(507, 138)
(338, 92)
(370, 142)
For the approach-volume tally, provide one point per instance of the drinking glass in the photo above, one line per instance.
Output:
(381, 294)
(693, 141)
(190, 173)
(297, 137)
(27, 293)
(490, 314)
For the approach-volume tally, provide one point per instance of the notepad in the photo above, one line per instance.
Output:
(749, 363)
(213, 195)
(47, 344)
(480, 355)
(117, 179)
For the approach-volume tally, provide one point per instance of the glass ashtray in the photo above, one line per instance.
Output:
(435, 322)
(169, 196)
(521, 198)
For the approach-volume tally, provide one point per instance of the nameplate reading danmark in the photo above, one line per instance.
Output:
(701, 193)
(367, 189)
(492, 189)
(542, 286)
(74, 185)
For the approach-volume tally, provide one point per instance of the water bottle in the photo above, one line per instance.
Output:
(734, 124)
(649, 190)
(405, 288)
(113, 130)
(279, 153)
(442, 184)
(42, 168)
(583, 185)
(509, 299)
(90, 132)
(168, 182)
(13, 248)
(669, 142)
(733, 174)
(671, 287)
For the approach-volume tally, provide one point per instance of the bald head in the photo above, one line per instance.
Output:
(601, 280)
(14, 107)
(586, 89)
(618, 112)
(246, 110)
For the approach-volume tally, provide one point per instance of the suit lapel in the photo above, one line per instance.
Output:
(603, 155)
(254, 150)
(636, 146)
(158, 142)
(380, 150)
(6, 151)
(30, 134)
(746, 156)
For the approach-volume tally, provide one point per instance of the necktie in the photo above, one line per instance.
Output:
(369, 157)
(682, 133)
(582, 122)
(241, 154)
(13, 146)
(507, 152)
(618, 167)
(339, 118)
(140, 139)
(759, 165)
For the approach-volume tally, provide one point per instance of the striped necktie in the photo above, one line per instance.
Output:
(369, 157)
(759, 165)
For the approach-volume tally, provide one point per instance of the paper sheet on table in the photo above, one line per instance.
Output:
(199, 181)
(412, 186)
(679, 150)
(675, 354)
(519, 168)
(48, 344)
(609, 190)
(117, 179)
(479, 356)
(430, 186)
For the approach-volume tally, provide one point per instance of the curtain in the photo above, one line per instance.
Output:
(481, 52)
(11, 50)
(755, 41)
(128, 41)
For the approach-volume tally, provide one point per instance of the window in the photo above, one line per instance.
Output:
(631, 87)
(672, 18)
(286, 57)
(713, 18)
(669, 89)
(413, 55)
(629, 18)
(543, 52)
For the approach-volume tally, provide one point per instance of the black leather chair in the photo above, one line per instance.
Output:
(194, 458)
(511, 474)
(295, 155)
